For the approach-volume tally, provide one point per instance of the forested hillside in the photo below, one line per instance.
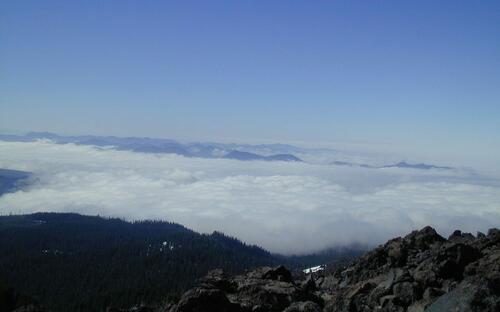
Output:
(69, 262)
(74, 262)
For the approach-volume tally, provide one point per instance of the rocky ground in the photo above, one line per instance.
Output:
(419, 272)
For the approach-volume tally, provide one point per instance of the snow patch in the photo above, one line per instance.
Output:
(314, 269)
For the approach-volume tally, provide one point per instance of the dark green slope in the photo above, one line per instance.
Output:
(71, 262)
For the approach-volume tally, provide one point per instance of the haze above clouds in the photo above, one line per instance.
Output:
(285, 207)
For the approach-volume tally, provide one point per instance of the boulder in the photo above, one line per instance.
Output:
(307, 306)
(279, 273)
(406, 293)
(453, 259)
(466, 297)
(205, 300)
(424, 238)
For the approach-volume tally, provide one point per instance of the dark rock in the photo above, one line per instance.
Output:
(385, 300)
(425, 274)
(390, 279)
(396, 252)
(358, 296)
(328, 283)
(261, 308)
(205, 300)
(279, 273)
(218, 279)
(29, 308)
(493, 280)
(272, 289)
(453, 259)
(141, 308)
(403, 275)
(466, 297)
(458, 236)
(309, 284)
(431, 293)
(307, 306)
(493, 233)
(417, 273)
(389, 304)
(406, 293)
(424, 238)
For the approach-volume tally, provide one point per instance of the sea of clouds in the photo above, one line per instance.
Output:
(286, 207)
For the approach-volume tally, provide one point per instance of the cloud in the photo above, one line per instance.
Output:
(284, 207)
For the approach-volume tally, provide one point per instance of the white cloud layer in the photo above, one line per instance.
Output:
(284, 207)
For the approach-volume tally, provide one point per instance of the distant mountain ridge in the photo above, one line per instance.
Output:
(11, 180)
(166, 146)
(401, 164)
(251, 156)
(421, 166)
(244, 152)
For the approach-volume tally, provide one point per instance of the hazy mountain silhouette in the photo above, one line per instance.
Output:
(251, 156)
(166, 146)
(11, 180)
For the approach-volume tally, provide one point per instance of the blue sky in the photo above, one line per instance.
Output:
(419, 75)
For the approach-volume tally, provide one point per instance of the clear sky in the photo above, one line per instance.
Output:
(424, 75)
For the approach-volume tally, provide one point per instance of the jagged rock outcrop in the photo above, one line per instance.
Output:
(264, 289)
(419, 272)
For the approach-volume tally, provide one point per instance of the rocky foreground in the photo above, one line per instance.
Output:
(420, 272)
